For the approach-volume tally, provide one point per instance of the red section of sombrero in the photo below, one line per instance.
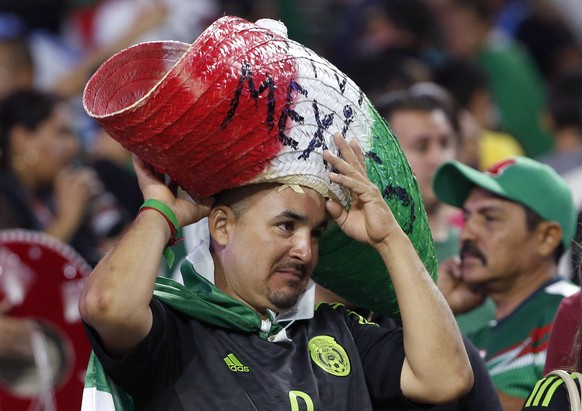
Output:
(209, 115)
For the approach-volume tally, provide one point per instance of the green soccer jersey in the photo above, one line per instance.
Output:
(514, 348)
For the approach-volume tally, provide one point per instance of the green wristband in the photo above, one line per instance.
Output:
(172, 221)
(164, 209)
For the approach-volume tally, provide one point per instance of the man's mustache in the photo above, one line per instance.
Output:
(471, 249)
(301, 268)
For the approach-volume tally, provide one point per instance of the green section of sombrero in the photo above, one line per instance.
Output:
(354, 270)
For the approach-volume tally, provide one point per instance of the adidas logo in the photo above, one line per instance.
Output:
(234, 364)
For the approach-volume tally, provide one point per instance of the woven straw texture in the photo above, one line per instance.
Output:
(244, 104)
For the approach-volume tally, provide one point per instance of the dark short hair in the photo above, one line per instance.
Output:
(462, 78)
(413, 16)
(235, 198)
(424, 97)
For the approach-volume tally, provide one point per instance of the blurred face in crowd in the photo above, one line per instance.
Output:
(16, 71)
(496, 244)
(41, 153)
(464, 32)
(267, 245)
(427, 139)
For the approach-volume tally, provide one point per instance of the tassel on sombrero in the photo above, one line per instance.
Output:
(244, 104)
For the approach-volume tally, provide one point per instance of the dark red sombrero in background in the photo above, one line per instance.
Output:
(41, 280)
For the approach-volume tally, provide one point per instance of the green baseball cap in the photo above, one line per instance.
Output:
(520, 179)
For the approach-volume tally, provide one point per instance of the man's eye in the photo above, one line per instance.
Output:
(286, 226)
(422, 147)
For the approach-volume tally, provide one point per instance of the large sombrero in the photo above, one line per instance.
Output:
(244, 104)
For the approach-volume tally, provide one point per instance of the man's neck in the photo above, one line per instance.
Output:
(510, 296)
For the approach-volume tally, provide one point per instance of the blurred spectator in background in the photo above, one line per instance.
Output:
(469, 84)
(113, 165)
(71, 39)
(179, 20)
(572, 16)
(38, 14)
(425, 129)
(548, 39)
(517, 87)
(549, 29)
(390, 47)
(70, 42)
(40, 186)
(565, 119)
(424, 122)
(16, 67)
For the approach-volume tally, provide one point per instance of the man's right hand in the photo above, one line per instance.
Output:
(460, 295)
(152, 187)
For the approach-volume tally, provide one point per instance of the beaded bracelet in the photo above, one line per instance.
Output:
(172, 221)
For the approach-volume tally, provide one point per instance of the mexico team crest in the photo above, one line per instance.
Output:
(329, 355)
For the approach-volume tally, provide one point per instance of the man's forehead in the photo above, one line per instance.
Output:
(435, 124)
(297, 197)
(483, 198)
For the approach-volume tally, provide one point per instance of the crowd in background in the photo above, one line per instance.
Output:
(512, 67)
(508, 72)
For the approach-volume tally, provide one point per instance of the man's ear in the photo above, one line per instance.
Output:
(219, 221)
(549, 234)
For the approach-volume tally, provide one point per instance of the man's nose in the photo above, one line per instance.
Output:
(467, 230)
(302, 247)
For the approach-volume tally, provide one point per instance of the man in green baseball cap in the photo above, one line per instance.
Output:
(519, 217)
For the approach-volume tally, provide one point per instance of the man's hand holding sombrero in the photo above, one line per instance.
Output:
(186, 211)
(426, 325)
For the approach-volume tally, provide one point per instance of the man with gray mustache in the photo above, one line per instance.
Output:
(518, 218)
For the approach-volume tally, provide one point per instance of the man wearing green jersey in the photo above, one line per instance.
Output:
(519, 217)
